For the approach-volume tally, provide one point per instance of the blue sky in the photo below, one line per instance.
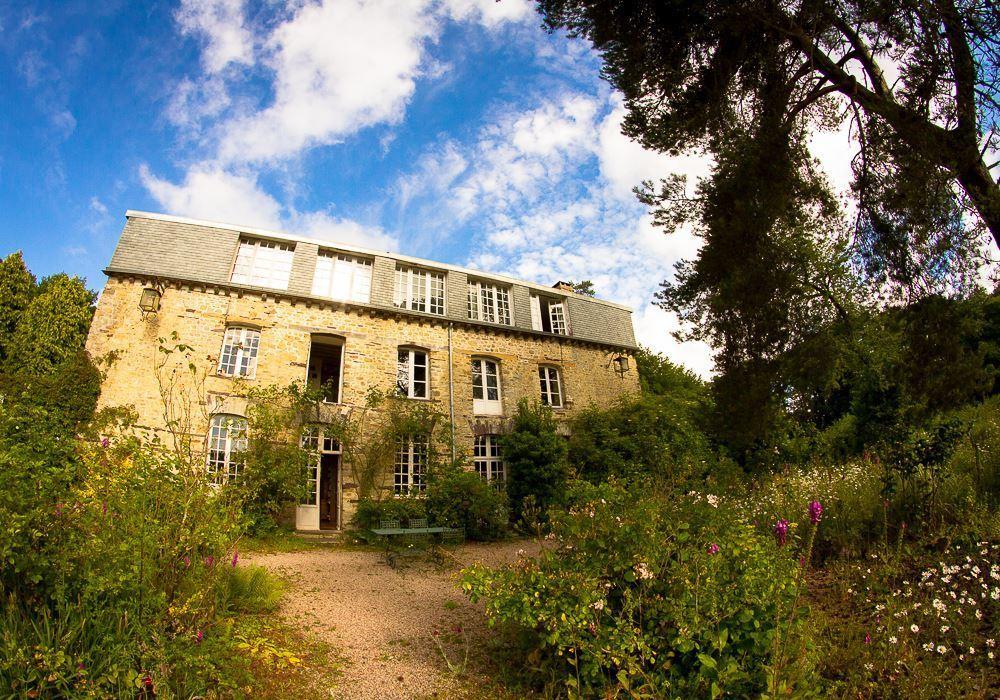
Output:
(457, 130)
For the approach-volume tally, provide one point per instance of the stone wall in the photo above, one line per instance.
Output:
(198, 315)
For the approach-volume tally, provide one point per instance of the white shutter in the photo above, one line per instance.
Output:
(536, 313)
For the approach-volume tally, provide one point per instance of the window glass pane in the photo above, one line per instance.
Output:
(403, 372)
(227, 442)
(477, 379)
(239, 352)
(263, 264)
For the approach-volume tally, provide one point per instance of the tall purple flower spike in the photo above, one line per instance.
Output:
(781, 532)
(815, 511)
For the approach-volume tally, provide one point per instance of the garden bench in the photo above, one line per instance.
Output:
(389, 530)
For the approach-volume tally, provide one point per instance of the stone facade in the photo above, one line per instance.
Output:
(198, 314)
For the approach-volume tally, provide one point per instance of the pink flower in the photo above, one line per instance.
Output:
(198, 637)
(236, 557)
(781, 532)
(187, 562)
(713, 548)
(815, 511)
(868, 638)
(210, 561)
(105, 442)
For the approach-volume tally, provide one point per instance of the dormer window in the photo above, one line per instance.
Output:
(489, 302)
(261, 263)
(342, 277)
(419, 290)
(548, 314)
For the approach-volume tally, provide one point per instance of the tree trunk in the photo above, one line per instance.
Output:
(983, 190)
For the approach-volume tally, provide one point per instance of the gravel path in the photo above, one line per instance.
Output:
(380, 619)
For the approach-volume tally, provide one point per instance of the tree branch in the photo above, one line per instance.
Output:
(879, 84)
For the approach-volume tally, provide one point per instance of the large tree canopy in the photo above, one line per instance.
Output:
(687, 69)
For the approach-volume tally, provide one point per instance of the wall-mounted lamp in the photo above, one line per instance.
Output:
(621, 364)
(149, 301)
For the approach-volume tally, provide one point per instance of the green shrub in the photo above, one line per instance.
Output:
(535, 457)
(651, 598)
(463, 499)
(66, 652)
(642, 436)
(370, 512)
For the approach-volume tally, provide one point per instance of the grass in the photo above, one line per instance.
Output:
(278, 542)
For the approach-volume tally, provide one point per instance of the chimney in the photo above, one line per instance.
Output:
(563, 286)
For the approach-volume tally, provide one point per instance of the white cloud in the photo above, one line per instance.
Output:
(221, 24)
(625, 163)
(217, 195)
(98, 206)
(338, 67)
(321, 225)
(490, 12)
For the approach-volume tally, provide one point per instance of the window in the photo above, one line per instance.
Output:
(486, 387)
(310, 443)
(548, 379)
(324, 372)
(263, 264)
(487, 459)
(548, 314)
(239, 352)
(411, 373)
(342, 277)
(419, 290)
(227, 441)
(411, 465)
(489, 302)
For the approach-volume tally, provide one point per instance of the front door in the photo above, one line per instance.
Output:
(329, 492)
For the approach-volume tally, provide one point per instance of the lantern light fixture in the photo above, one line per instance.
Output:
(149, 301)
(621, 364)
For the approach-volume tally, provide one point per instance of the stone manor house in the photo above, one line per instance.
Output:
(271, 308)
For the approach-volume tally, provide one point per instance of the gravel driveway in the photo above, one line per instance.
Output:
(381, 619)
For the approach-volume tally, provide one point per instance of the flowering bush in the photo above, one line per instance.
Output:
(669, 598)
(926, 630)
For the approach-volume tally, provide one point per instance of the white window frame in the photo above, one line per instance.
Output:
(238, 357)
(342, 277)
(489, 302)
(482, 405)
(487, 459)
(417, 289)
(309, 441)
(558, 318)
(263, 263)
(316, 443)
(551, 385)
(227, 441)
(406, 370)
(410, 470)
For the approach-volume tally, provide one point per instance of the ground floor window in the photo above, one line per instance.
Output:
(227, 443)
(411, 466)
(488, 460)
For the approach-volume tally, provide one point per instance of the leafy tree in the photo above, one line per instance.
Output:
(661, 377)
(53, 326)
(17, 285)
(687, 70)
(586, 287)
(535, 456)
(640, 437)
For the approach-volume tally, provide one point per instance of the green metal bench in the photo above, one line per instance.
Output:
(389, 530)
